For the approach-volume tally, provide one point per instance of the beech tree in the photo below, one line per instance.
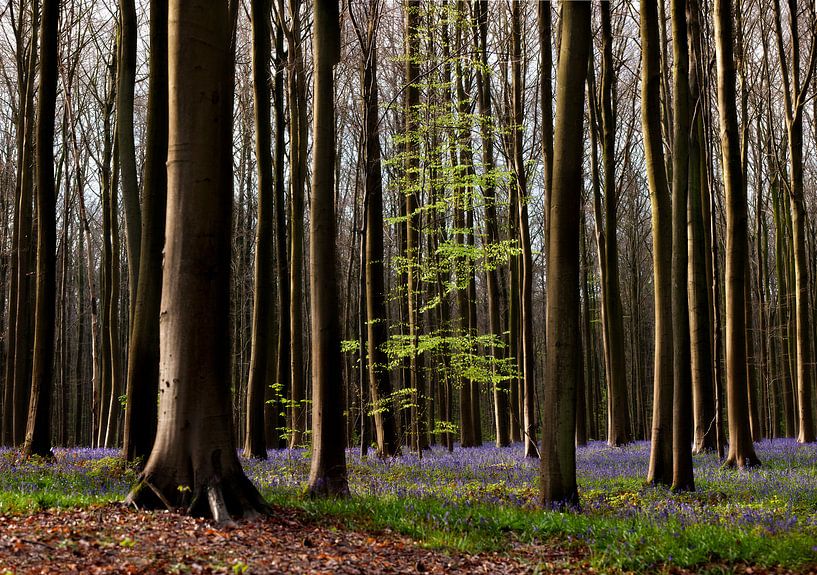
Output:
(194, 464)
(327, 475)
(143, 353)
(558, 452)
(38, 428)
(660, 470)
(741, 450)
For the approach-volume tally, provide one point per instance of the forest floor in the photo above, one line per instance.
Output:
(466, 511)
(116, 539)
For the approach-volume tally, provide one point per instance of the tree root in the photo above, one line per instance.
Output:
(221, 499)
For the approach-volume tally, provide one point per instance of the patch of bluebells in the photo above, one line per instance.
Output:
(80, 472)
(778, 497)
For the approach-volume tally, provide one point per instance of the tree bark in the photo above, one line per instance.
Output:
(558, 453)
(261, 362)
(660, 469)
(126, 81)
(741, 451)
(682, 474)
(327, 476)
(38, 428)
(194, 464)
(526, 297)
(143, 354)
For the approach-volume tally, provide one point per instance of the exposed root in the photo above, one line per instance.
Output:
(222, 499)
(217, 506)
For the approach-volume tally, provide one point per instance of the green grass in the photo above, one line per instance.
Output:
(629, 545)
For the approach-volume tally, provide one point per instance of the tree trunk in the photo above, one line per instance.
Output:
(255, 444)
(526, 298)
(741, 450)
(126, 79)
(194, 464)
(327, 475)
(38, 428)
(380, 389)
(699, 304)
(143, 353)
(558, 453)
(660, 470)
(296, 86)
(682, 474)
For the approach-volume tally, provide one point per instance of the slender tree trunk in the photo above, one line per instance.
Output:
(682, 474)
(24, 337)
(558, 453)
(660, 470)
(143, 353)
(741, 450)
(126, 79)
(298, 133)
(380, 389)
(261, 362)
(618, 432)
(327, 475)
(526, 312)
(38, 428)
(699, 304)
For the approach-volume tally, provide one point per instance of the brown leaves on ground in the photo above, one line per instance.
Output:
(116, 539)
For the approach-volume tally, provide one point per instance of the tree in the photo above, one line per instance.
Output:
(682, 474)
(378, 376)
(38, 428)
(526, 297)
(143, 352)
(412, 224)
(194, 464)
(19, 342)
(794, 98)
(741, 450)
(298, 135)
(558, 453)
(699, 301)
(618, 429)
(501, 414)
(660, 470)
(255, 444)
(327, 475)
(126, 78)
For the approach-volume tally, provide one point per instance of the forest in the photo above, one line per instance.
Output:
(387, 286)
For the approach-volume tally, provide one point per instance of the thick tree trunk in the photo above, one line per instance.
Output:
(194, 464)
(558, 453)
